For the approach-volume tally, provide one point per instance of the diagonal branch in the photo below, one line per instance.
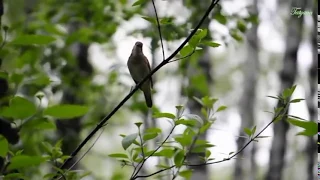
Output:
(164, 62)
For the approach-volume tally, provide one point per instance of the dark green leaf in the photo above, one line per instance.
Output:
(220, 18)
(241, 25)
(23, 161)
(310, 127)
(138, 124)
(150, 19)
(296, 100)
(179, 158)
(128, 140)
(66, 111)
(33, 39)
(4, 146)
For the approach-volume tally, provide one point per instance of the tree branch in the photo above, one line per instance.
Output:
(164, 62)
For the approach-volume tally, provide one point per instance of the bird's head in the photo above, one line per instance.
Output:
(137, 48)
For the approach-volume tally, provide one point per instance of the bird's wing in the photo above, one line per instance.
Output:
(148, 64)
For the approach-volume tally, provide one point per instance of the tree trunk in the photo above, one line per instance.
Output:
(247, 105)
(287, 76)
(311, 146)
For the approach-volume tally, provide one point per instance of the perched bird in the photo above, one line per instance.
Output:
(139, 68)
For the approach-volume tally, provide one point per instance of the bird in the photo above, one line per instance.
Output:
(139, 68)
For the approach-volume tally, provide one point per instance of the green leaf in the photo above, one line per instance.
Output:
(179, 157)
(274, 97)
(236, 35)
(310, 127)
(186, 174)
(247, 131)
(150, 135)
(183, 139)
(208, 101)
(254, 130)
(138, 124)
(189, 122)
(296, 100)
(23, 161)
(208, 153)
(165, 152)
(66, 111)
(4, 146)
(119, 155)
(128, 140)
(19, 108)
(164, 115)
(138, 3)
(150, 19)
(211, 43)
(221, 18)
(186, 50)
(33, 39)
(221, 108)
(241, 25)
(205, 127)
(199, 35)
(4, 75)
(166, 20)
(153, 130)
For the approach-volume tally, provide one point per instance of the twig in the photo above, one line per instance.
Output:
(106, 118)
(134, 174)
(231, 157)
(159, 30)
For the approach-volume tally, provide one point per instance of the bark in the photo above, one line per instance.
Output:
(310, 150)
(247, 105)
(287, 77)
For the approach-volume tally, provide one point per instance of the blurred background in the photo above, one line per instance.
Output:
(265, 47)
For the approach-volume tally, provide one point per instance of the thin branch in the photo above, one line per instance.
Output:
(184, 57)
(166, 61)
(159, 29)
(84, 153)
(134, 175)
(284, 111)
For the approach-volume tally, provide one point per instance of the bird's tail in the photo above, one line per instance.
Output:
(148, 97)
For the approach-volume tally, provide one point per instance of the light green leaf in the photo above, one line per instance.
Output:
(211, 43)
(119, 155)
(139, 2)
(164, 115)
(166, 152)
(186, 174)
(150, 135)
(128, 140)
(33, 39)
(19, 108)
(66, 111)
(186, 50)
(221, 108)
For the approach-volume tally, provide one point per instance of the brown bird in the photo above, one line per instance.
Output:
(139, 68)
